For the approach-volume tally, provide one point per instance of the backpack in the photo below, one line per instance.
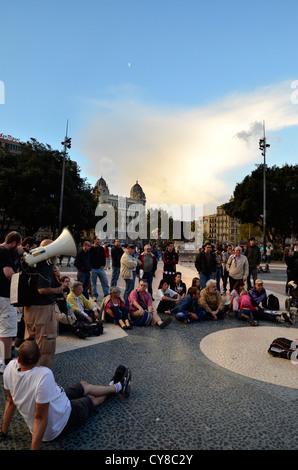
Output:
(273, 302)
(283, 347)
(23, 287)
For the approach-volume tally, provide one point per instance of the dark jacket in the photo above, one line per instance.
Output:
(170, 259)
(97, 257)
(253, 254)
(82, 262)
(116, 254)
(203, 266)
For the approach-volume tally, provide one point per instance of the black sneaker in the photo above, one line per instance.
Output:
(165, 323)
(125, 382)
(119, 373)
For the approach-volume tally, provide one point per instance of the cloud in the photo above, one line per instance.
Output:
(184, 155)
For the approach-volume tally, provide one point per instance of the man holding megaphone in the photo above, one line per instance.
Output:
(40, 317)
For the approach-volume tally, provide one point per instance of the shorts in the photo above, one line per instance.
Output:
(8, 319)
(82, 407)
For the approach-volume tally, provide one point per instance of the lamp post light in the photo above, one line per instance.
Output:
(67, 145)
(262, 146)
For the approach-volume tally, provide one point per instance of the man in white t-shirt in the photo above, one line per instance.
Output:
(48, 410)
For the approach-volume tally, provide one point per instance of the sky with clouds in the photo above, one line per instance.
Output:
(172, 93)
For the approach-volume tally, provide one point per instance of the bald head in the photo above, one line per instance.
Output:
(46, 242)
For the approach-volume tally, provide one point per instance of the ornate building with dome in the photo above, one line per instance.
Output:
(124, 206)
(102, 194)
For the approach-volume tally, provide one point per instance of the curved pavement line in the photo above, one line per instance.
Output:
(244, 351)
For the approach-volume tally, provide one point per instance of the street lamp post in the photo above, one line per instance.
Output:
(263, 146)
(66, 144)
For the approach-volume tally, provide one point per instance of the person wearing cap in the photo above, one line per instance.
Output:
(259, 300)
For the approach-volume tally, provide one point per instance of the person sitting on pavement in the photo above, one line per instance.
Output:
(234, 298)
(188, 309)
(246, 309)
(195, 283)
(116, 309)
(84, 309)
(49, 410)
(141, 309)
(178, 285)
(167, 297)
(259, 300)
(211, 301)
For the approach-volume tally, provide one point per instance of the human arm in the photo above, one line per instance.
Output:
(8, 272)
(39, 424)
(9, 410)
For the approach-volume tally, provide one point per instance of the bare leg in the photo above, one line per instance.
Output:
(98, 393)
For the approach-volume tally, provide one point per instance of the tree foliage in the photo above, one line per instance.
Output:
(30, 189)
(281, 201)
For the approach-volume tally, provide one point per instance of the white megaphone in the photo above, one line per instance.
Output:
(63, 245)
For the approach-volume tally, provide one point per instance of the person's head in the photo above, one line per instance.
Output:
(239, 286)
(243, 292)
(143, 285)
(115, 291)
(238, 251)
(229, 248)
(13, 240)
(86, 245)
(96, 241)
(77, 288)
(258, 284)
(252, 241)
(29, 243)
(28, 354)
(211, 285)
(65, 280)
(195, 282)
(170, 246)
(178, 277)
(163, 284)
(194, 292)
(207, 247)
(147, 249)
(131, 249)
(219, 248)
(117, 242)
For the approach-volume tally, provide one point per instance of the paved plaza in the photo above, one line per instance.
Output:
(209, 385)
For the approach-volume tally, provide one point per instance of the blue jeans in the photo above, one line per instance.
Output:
(115, 276)
(218, 277)
(103, 280)
(129, 287)
(183, 315)
(204, 278)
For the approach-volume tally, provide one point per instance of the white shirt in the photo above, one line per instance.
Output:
(37, 385)
(168, 293)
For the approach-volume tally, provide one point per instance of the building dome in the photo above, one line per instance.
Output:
(101, 182)
(101, 190)
(137, 192)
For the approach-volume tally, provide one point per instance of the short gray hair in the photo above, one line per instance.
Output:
(114, 290)
(75, 285)
(210, 283)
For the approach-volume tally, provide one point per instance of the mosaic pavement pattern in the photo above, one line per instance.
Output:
(203, 386)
